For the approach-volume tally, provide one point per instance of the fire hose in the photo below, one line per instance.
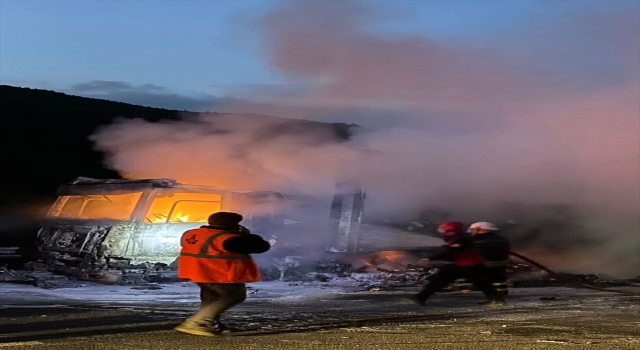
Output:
(568, 281)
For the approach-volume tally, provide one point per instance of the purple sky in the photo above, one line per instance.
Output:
(175, 54)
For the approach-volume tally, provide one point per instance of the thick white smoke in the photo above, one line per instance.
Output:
(461, 128)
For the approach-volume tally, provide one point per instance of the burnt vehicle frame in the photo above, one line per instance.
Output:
(110, 225)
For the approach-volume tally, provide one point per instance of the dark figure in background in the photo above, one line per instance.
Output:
(467, 263)
(495, 252)
(216, 257)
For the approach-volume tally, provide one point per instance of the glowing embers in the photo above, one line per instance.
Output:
(389, 260)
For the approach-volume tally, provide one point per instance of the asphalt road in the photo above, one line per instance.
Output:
(368, 320)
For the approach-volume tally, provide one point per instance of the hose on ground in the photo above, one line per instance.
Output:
(569, 282)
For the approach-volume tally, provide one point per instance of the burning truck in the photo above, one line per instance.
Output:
(98, 228)
(109, 230)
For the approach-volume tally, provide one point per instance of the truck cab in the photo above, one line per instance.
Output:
(111, 225)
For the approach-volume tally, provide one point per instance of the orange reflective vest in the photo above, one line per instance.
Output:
(203, 259)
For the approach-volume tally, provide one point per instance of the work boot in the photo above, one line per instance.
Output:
(203, 329)
(494, 302)
(221, 328)
(418, 299)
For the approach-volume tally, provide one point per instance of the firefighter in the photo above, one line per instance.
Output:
(495, 251)
(216, 257)
(467, 263)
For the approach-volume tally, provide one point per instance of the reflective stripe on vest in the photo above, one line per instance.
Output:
(205, 246)
(501, 286)
(203, 259)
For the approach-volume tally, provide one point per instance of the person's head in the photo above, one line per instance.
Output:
(451, 229)
(482, 227)
(225, 219)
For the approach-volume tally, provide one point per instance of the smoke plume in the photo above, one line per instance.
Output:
(544, 119)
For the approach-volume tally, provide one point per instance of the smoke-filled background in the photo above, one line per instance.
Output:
(538, 125)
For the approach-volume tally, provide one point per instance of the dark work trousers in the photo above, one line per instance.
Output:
(216, 298)
(449, 273)
(498, 277)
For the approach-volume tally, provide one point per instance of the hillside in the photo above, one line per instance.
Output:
(45, 139)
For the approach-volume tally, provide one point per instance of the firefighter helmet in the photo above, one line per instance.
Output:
(482, 227)
(451, 227)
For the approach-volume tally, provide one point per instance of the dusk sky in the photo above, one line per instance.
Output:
(187, 54)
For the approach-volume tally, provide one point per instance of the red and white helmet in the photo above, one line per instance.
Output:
(450, 227)
(482, 226)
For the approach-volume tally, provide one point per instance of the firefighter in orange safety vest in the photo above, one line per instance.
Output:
(216, 257)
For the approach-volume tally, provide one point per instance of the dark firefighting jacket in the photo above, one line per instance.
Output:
(494, 249)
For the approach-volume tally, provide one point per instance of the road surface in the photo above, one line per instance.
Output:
(292, 318)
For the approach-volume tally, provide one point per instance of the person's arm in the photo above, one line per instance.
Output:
(446, 252)
(246, 244)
